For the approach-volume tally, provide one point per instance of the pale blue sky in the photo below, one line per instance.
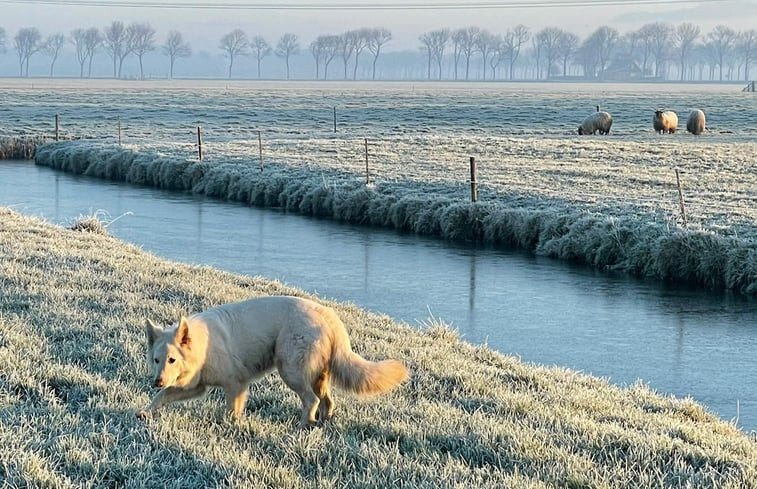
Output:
(205, 27)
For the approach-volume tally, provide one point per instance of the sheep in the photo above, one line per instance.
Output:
(695, 123)
(665, 121)
(598, 121)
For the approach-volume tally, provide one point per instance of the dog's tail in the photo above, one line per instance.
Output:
(360, 376)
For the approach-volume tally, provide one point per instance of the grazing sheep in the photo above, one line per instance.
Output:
(665, 121)
(598, 121)
(695, 123)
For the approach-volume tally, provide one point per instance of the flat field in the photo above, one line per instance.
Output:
(522, 135)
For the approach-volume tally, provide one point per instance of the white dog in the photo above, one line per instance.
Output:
(233, 344)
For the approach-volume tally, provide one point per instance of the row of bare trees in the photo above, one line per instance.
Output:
(118, 40)
(324, 49)
(236, 43)
(647, 52)
(348, 45)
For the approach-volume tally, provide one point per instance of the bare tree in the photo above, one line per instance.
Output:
(234, 44)
(567, 45)
(441, 39)
(457, 38)
(467, 39)
(359, 39)
(606, 39)
(484, 43)
(261, 48)
(747, 46)
(597, 49)
(546, 42)
(92, 40)
(117, 44)
(512, 43)
(434, 43)
(2, 40)
(79, 40)
(52, 47)
(427, 41)
(685, 37)
(346, 48)
(661, 38)
(27, 41)
(286, 47)
(497, 55)
(331, 49)
(142, 36)
(722, 39)
(376, 40)
(645, 37)
(318, 50)
(175, 48)
(324, 49)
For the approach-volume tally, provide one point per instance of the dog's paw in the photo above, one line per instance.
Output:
(144, 414)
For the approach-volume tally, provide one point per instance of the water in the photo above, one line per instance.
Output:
(680, 341)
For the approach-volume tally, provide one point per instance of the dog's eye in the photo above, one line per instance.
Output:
(171, 360)
(157, 361)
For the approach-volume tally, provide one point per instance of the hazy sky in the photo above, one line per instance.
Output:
(205, 26)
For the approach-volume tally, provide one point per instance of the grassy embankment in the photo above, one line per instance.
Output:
(636, 240)
(72, 375)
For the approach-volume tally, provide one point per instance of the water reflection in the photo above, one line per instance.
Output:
(679, 340)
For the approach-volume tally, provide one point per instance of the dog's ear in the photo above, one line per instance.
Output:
(182, 337)
(151, 332)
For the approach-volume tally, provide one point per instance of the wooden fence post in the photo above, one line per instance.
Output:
(334, 119)
(119, 132)
(680, 200)
(199, 143)
(260, 150)
(473, 183)
(57, 128)
(367, 176)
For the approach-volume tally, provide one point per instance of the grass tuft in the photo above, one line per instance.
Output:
(96, 222)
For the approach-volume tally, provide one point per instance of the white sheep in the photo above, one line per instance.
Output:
(665, 121)
(598, 121)
(695, 123)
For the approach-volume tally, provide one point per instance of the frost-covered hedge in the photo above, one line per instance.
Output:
(636, 242)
